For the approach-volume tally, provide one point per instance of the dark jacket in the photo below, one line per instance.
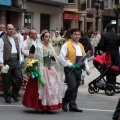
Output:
(86, 43)
(110, 42)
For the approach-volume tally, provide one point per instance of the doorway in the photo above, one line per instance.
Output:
(44, 21)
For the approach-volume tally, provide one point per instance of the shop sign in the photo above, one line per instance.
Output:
(6, 2)
(71, 16)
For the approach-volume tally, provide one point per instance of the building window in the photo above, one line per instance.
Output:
(71, 1)
(116, 1)
(106, 4)
(28, 21)
(44, 21)
(88, 3)
(83, 6)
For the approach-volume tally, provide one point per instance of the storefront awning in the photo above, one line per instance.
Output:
(71, 16)
(15, 9)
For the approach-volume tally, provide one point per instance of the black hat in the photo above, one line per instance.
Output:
(32, 49)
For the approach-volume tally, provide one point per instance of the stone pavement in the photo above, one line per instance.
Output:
(94, 74)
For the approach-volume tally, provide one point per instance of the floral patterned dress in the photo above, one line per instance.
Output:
(46, 97)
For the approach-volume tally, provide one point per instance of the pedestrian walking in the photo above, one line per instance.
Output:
(110, 43)
(32, 40)
(57, 41)
(71, 52)
(87, 46)
(10, 55)
(47, 97)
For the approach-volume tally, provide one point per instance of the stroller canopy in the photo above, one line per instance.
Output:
(105, 60)
(102, 59)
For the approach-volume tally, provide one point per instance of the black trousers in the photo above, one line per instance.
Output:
(73, 82)
(117, 111)
(13, 77)
(97, 51)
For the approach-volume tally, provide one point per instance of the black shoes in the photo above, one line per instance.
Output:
(64, 107)
(8, 101)
(15, 99)
(76, 110)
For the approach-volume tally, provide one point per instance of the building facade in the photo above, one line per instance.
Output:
(43, 15)
(108, 13)
(38, 14)
(89, 14)
(57, 14)
(11, 12)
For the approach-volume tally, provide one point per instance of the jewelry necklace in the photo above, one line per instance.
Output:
(46, 45)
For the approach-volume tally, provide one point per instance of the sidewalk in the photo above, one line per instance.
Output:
(94, 74)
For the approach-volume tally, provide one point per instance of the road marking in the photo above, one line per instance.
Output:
(97, 110)
(11, 106)
(79, 108)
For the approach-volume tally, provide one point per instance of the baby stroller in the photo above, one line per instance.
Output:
(104, 65)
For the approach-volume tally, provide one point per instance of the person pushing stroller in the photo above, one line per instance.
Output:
(110, 43)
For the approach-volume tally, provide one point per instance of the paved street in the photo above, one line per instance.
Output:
(96, 106)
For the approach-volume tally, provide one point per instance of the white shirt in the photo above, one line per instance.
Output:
(20, 38)
(13, 50)
(25, 50)
(63, 53)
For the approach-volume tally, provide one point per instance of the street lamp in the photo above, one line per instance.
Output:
(97, 4)
(84, 15)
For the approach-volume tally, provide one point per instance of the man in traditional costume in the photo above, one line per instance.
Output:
(10, 55)
(32, 40)
(71, 52)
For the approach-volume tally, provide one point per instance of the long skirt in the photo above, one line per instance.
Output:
(46, 97)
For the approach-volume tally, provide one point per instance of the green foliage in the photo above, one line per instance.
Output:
(116, 8)
(33, 67)
(98, 17)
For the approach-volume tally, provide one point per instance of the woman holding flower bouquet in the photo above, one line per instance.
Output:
(45, 94)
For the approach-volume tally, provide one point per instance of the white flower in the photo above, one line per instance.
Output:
(5, 69)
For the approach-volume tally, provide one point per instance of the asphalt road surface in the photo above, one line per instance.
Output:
(94, 107)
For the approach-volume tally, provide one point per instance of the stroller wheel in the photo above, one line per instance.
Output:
(117, 87)
(110, 89)
(91, 90)
(96, 90)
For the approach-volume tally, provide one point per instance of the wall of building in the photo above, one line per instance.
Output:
(37, 9)
(2, 17)
(74, 24)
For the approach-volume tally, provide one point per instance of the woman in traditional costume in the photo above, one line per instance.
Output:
(44, 97)
(57, 42)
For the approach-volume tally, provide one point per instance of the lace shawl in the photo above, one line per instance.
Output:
(39, 55)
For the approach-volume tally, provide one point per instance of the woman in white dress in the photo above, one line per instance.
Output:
(47, 97)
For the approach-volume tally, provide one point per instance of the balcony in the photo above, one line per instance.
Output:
(108, 12)
(50, 2)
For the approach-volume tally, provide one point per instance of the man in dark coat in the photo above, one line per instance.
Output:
(110, 42)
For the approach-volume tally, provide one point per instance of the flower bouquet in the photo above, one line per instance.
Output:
(4, 69)
(81, 61)
(31, 67)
